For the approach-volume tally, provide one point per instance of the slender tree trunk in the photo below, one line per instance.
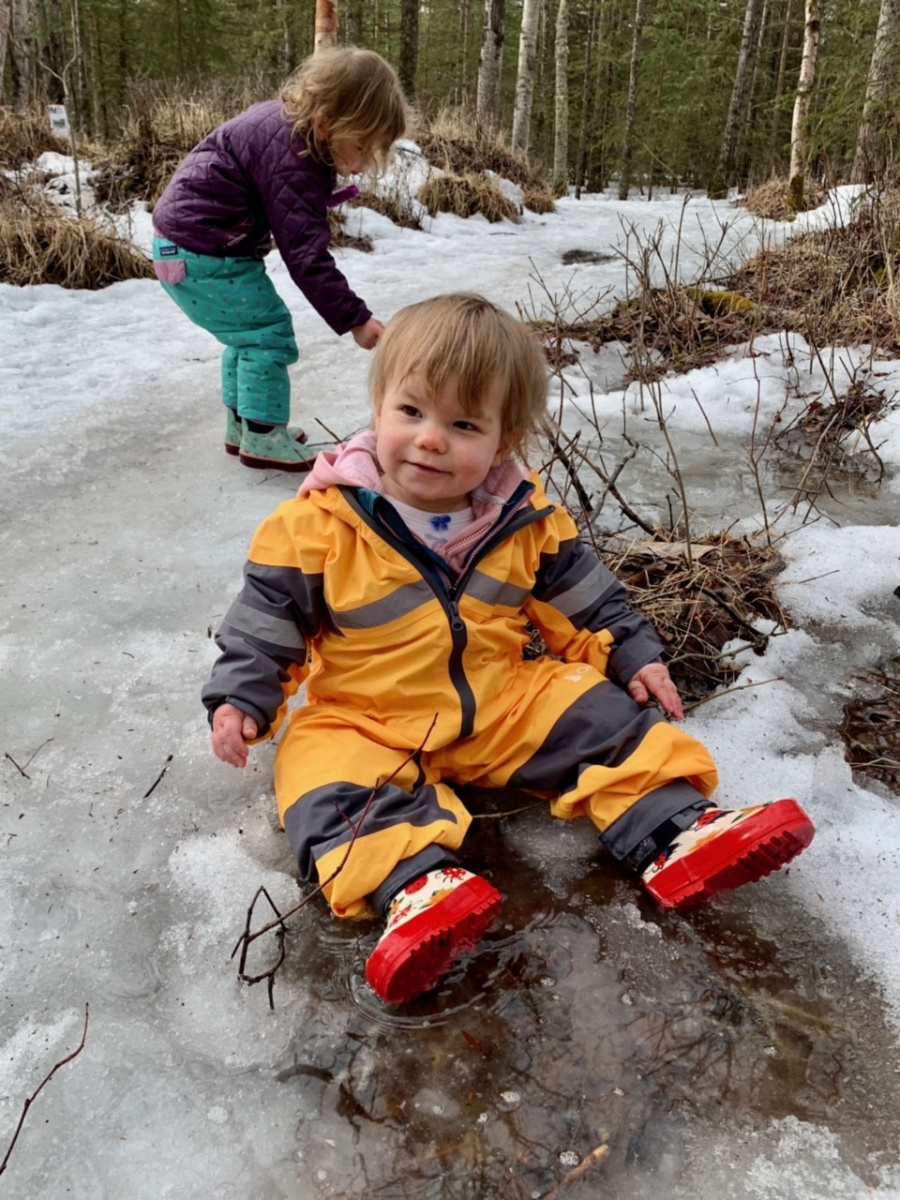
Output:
(487, 103)
(801, 104)
(735, 122)
(5, 16)
(20, 43)
(586, 99)
(561, 110)
(326, 24)
(463, 85)
(640, 9)
(871, 152)
(525, 76)
(779, 83)
(409, 47)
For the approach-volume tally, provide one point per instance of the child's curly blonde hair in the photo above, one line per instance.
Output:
(464, 337)
(351, 93)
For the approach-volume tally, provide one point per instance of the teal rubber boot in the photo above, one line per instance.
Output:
(233, 432)
(275, 451)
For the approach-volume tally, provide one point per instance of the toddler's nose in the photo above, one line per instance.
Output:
(431, 437)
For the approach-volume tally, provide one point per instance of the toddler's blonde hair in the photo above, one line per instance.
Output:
(357, 95)
(464, 337)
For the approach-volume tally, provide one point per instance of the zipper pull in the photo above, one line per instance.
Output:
(457, 624)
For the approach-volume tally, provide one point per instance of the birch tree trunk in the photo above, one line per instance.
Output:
(409, 47)
(487, 102)
(20, 47)
(640, 9)
(736, 120)
(797, 171)
(561, 109)
(525, 76)
(871, 158)
(326, 25)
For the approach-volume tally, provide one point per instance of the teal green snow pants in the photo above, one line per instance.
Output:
(234, 300)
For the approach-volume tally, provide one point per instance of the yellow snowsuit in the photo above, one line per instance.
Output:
(416, 680)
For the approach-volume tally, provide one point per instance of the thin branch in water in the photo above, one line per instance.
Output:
(741, 687)
(34, 1095)
(247, 937)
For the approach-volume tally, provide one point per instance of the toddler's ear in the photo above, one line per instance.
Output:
(319, 126)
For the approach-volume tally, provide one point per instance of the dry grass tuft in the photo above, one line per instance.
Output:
(25, 136)
(466, 195)
(700, 606)
(871, 728)
(772, 199)
(342, 239)
(39, 244)
(837, 286)
(538, 199)
(160, 130)
(396, 206)
(453, 142)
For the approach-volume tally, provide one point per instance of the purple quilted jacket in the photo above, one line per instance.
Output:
(244, 185)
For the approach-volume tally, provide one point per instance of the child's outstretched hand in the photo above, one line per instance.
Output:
(231, 730)
(655, 682)
(367, 335)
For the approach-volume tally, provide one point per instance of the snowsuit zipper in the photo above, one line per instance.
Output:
(428, 563)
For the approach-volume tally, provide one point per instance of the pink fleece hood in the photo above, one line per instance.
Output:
(354, 464)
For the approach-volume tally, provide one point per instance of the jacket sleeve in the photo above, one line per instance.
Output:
(264, 637)
(296, 195)
(583, 612)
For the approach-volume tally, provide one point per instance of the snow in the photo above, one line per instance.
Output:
(130, 854)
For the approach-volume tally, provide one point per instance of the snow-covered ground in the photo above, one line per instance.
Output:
(130, 854)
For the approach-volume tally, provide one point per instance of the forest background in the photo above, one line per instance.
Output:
(704, 94)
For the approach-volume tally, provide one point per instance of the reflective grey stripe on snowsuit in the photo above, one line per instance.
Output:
(318, 822)
(399, 603)
(587, 593)
(603, 727)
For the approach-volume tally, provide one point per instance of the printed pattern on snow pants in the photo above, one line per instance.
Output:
(234, 300)
(568, 734)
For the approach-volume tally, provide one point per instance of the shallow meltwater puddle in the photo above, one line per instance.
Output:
(595, 1045)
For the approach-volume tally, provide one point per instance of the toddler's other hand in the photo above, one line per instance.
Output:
(655, 682)
(367, 335)
(231, 730)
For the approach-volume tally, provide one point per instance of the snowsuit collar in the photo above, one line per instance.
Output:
(354, 465)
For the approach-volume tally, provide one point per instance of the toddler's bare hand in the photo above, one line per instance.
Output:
(367, 335)
(654, 682)
(231, 730)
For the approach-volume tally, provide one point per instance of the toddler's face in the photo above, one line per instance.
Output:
(431, 454)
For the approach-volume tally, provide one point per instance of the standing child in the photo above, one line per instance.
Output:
(399, 585)
(267, 174)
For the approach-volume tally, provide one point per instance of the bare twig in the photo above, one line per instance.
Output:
(158, 779)
(34, 1095)
(247, 937)
(590, 1160)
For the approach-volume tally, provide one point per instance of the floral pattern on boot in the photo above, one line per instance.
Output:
(726, 848)
(430, 924)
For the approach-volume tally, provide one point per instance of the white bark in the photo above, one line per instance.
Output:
(804, 92)
(561, 111)
(525, 75)
(487, 102)
(740, 92)
(326, 24)
(871, 158)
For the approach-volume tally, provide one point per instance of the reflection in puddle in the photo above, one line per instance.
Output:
(589, 1018)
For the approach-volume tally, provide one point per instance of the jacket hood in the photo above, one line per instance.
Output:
(354, 464)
